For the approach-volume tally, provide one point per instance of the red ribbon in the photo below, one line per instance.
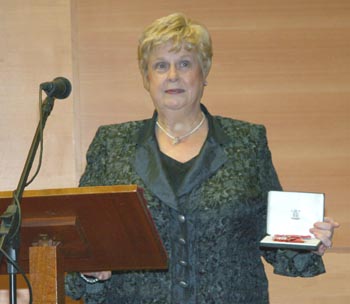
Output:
(292, 238)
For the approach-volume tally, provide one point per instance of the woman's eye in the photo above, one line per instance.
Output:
(161, 66)
(185, 63)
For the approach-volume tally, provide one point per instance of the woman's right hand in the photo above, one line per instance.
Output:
(101, 275)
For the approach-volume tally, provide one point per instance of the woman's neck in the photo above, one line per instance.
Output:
(180, 123)
(184, 147)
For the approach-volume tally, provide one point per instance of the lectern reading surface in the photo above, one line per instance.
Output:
(99, 228)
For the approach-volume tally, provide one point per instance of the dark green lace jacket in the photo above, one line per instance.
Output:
(210, 225)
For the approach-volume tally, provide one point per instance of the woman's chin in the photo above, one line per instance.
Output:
(173, 104)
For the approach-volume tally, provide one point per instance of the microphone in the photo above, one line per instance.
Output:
(59, 88)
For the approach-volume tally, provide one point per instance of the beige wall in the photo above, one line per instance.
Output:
(285, 64)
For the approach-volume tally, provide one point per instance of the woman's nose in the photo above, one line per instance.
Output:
(173, 73)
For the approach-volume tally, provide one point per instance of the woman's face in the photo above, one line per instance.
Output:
(175, 80)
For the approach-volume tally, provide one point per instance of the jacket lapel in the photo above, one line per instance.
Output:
(148, 164)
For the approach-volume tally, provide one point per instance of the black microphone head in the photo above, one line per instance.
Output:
(63, 86)
(59, 88)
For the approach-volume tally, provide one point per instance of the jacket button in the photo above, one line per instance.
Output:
(183, 284)
(181, 218)
(183, 263)
(182, 241)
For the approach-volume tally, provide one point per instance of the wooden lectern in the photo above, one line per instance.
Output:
(83, 229)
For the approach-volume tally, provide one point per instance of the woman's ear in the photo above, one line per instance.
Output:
(145, 81)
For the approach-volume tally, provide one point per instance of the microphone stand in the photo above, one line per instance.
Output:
(11, 220)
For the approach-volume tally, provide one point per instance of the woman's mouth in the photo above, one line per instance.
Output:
(174, 91)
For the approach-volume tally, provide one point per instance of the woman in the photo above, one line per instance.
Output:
(206, 180)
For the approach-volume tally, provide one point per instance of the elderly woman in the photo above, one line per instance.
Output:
(205, 178)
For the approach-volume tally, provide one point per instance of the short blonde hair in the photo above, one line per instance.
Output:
(182, 32)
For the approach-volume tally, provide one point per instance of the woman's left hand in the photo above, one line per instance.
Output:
(324, 232)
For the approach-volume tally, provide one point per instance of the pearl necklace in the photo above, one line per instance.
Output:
(177, 139)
